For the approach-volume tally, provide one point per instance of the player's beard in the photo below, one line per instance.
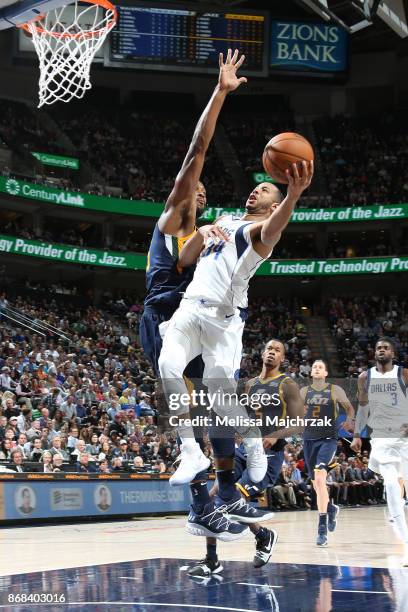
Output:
(384, 360)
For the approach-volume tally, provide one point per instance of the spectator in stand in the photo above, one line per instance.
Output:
(17, 459)
(46, 463)
(57, 449)
(6, 383)
(6, 448)
(36, 452)
(12, 425)
(104, 467)
(284, 490)
(117, 464)
(12, 411)
(138, 465)
(3, 424)
(35, 430)
(124, 454)
(73, 437)
(24, 390)
(79, 449)
(58, 463)
(337, 487)
(85, 465)
(69, 409)
(93, 448)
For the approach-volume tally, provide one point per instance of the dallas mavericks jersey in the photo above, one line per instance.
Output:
(387, 402)
(224, 269)
(320, 404)
(165, 281)
(276, 408)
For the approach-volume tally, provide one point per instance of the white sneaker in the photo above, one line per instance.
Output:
(257, 462)
(192, 461)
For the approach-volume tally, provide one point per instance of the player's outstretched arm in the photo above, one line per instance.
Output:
(266, 235)
(179, 215)
(362, 412)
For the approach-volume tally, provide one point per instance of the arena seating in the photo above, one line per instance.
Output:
(361, 161)
(69, 396)
(357, 323)
(364, 159)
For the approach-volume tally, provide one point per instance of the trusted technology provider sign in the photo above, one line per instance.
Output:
(320, 47)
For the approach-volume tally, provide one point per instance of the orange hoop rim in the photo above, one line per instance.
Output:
(89, 34)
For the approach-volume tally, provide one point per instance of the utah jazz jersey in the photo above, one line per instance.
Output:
(320, 404)
(273, 408)
(165, 280)
(387, 401)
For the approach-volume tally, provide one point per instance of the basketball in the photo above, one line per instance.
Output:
(284, 150)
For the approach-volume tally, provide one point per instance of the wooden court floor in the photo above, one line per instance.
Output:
(364, 538)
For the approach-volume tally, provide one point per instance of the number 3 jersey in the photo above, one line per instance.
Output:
(387, 402)
(225, 268)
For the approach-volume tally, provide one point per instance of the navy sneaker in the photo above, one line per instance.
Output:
(264, 548)
(332, 513)
(238, 510)
(205, 568)
(322, 531)
(213, 523)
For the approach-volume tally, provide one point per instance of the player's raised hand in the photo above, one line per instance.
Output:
(299, 178)
(228, 80)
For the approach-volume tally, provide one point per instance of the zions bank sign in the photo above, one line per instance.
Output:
(305, 47)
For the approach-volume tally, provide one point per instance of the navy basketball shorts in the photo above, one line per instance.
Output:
(319, 454)
(150, 338)
(245, 484)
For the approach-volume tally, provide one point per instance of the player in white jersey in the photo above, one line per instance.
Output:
(210, 319)
(383, 399)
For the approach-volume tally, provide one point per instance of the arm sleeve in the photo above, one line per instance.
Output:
(361, 419)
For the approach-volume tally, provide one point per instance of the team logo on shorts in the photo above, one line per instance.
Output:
(12, 187)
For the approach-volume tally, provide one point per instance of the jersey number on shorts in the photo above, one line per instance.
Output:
(213, 248)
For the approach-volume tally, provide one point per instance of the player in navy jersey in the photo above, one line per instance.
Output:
(322, 401)
(274, 396)
(166, 281)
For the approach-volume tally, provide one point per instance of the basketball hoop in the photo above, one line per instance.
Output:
(66, 40)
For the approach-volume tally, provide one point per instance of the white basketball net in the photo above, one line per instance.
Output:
(66, 40)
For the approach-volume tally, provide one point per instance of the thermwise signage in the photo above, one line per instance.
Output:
(320, 47)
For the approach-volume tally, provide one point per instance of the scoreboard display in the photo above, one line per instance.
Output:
(179, 39)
